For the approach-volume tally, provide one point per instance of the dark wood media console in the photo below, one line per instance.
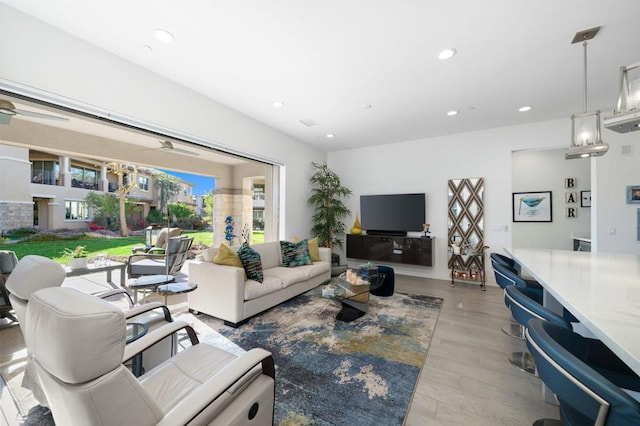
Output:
(378, 248)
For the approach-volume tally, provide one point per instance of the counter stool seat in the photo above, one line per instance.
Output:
(588, 379)
(524, 306)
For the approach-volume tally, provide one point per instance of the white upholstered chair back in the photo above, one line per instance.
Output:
(77, 347)
(31, 274)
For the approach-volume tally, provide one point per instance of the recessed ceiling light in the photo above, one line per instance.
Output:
(525, 108)
(330, 135)
(447, 53)
(452, 113)
(163, 35)
(278, 104)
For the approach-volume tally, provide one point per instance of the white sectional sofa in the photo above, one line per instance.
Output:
(224, 292)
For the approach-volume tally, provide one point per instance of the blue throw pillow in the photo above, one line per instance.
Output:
(295, 254)
(251, 263)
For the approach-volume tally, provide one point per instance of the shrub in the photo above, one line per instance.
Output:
(95, 227)
(141, 224)
(21, 232)
(155, 216)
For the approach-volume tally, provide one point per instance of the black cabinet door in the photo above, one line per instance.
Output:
(410, 251)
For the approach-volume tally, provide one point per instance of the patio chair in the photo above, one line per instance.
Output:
(161, 241)
(35, 272)
(168, 263)
(32, 273)
(8, 261)
(79, 349)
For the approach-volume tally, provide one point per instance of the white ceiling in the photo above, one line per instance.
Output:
(327, 59)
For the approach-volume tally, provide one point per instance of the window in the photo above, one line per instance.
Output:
(258, 192)
(84, 178)
(143, 183)
(45, 172)
(76, 210)
(258, 220)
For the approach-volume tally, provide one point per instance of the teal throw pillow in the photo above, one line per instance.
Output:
(295, 254)
(251, 263)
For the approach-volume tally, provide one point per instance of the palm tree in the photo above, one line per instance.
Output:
(326, 197)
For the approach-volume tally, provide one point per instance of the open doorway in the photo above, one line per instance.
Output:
(546, 172)
(75, 150)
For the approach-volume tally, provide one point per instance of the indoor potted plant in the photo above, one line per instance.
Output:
(326, 198)
(77, 257)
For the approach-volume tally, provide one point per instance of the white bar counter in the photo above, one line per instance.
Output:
(602, 290)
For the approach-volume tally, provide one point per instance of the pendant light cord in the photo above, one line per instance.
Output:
(584, 44)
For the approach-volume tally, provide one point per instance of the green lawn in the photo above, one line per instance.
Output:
(114, 247)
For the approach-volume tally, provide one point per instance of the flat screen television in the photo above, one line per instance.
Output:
(394, 214)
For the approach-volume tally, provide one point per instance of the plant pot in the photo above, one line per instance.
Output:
(78, 262)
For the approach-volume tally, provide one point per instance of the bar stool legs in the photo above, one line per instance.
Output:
(514, 330)
(547, 422)
(523, 361)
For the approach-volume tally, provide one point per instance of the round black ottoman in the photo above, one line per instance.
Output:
(388, 285)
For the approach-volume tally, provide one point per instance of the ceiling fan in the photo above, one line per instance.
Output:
(8, 110)
(167, 146)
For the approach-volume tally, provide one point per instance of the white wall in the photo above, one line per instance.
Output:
(425, 165)
(546, 170)
(39, 56)
(614, 172)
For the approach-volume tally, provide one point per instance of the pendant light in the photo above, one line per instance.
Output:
(626, 115)
(585, 127)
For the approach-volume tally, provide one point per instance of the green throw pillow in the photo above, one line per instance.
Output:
(251, 262)
(295, 254)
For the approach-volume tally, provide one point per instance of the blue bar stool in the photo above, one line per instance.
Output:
(585, 375)
(524, 306)
(504, 278)
(505, 262)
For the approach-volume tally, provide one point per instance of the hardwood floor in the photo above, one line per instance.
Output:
(466, 378)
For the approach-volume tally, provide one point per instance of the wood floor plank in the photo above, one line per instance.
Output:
(466, 378)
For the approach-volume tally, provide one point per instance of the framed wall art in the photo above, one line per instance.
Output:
(585, 198)
(633, 194)
(532, 206)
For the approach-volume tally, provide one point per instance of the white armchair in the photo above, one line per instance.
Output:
(78, 349)
(31, 273)
(35, 272)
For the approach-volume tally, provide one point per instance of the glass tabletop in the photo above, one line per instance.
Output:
(134, 331)
(151, 281)
(177, 287)
(339, 289)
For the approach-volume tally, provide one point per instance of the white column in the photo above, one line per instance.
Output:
(65, 171)
(104, 182)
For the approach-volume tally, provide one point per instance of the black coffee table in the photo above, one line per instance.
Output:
(354, 298)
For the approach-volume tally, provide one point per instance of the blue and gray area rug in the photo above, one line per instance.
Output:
(334, 373)
(327, 372)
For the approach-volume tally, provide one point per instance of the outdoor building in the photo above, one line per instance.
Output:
(48, 191)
